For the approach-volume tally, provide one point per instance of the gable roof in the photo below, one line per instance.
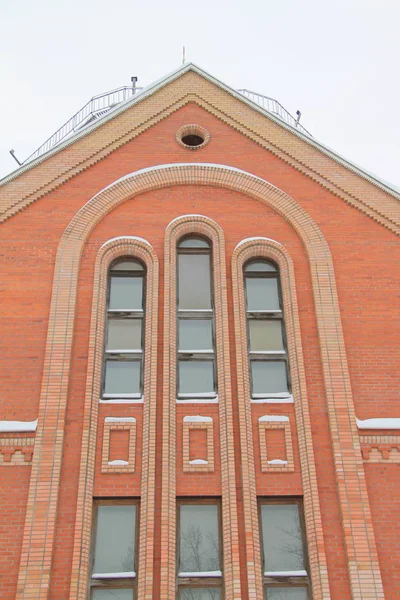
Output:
(155, 86)
(189, 83)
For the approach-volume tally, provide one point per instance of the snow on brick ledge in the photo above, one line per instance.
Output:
(117, 463)
(273, 418)
(197, 419)
(198, 461)
(393, 423)
(123, 575)
(277, 461)
(200, 574)
(285, 574)
(18, 426)
(120, 420)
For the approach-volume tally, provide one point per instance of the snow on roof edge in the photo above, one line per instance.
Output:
(181, 70)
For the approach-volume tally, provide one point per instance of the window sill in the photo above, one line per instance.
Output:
(125, 575)
(285, 574)
(117, 400)
(198, 400)
(273, 399)
(200, 574)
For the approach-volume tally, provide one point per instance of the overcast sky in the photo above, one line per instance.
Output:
(338, 62)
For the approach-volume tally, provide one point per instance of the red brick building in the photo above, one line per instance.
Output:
(199, 342)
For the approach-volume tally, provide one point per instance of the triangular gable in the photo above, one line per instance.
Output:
(189, 83)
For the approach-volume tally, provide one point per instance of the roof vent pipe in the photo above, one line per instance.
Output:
(134, 80)
(298, 113)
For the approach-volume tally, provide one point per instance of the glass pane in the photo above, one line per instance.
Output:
(194, 281)
(195, 334)
(199, 544)
(282, 541)
(127, 265)
(265, 335)
(122, 377)
(115, 539)
(258, 265)
(126, 293)
(194, 242)
(112, 594)
(286, 593)
(200, 594)
(196, 377)
(268, 376)
(262, 294)
(124, 334)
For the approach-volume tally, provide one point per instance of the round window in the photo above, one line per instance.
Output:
(192, 137)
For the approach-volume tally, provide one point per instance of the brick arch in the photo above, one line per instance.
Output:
(40, 522)
(178, 228)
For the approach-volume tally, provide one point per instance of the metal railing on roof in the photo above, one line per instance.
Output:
(99, 105)
(94, 109)
(276, 108)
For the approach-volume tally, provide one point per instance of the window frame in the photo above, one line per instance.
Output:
(131, 354)
(208, 314)
(129, 583)
(266, 315)
(277, 581)
(199, 582)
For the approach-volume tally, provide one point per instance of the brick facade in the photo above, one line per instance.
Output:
(253, 189)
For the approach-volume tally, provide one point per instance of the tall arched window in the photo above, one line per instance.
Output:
(195, 320)
(269, 372)
(123, 355)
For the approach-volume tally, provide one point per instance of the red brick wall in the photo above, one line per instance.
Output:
(366, 278)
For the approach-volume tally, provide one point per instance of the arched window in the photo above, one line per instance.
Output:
(195, 320)
(123, 355)
(269, 372)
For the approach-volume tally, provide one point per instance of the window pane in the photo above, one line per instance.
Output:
(200, 594)
(260, 265)
(115, 539)
(194, 281)
(196, 377)
(194, 242)
(195, 334)
(268, 376)
(262, 294)
(286, 593)
(122, 377)
(199, 544)
(127, 265)
(265, 335)
(126, 293)
(124, 334)
(282, 540)
(112, 594)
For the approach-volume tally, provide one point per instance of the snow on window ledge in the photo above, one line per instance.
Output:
(120, 420)
(118, 463)
(198, 461)
(138, 400)
(276, 399)
(285, 574)
(198, 400)
(18, 426)
(276, 461)
(124, 575)
(200, 574)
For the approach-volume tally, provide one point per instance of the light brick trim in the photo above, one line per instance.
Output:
(268, 466)
(269, 249)
(354, 189)
(108, 253)
(35, 568)
(108, 466)
(197, 224)
(16, 451)
(188, 466)
(380, 448)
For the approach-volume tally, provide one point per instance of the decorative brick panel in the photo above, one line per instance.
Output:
(198, 465)
(380, 448)
(272, 422)
(16, 451)
(35, 568)
(123, 464)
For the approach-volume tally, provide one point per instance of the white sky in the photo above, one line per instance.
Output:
(338, 62)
